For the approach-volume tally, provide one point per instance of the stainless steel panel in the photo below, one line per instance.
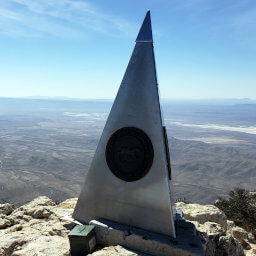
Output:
(145, 203)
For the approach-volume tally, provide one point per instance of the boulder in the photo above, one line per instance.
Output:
(251, 238)
(228, 245)
(44, 246)
(203, 213)
(210, 229)
(230, 225)
(213, 227)
(244, 237)
(239, 233)
(114, 251)
(4, 222)
(69, 203)
(35, 229)
(6, 209)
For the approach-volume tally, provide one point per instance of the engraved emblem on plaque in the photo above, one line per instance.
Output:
(129, 154)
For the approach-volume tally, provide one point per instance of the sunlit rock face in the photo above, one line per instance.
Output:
(37, 229)
(221, 236)
(203, 213)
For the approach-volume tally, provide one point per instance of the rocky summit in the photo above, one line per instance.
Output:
(37, 228)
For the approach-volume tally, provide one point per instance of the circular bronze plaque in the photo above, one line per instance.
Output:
(129, 153)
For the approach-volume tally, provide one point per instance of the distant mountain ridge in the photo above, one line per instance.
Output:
(45, 151)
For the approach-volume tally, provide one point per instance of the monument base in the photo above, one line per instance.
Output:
(187, 243)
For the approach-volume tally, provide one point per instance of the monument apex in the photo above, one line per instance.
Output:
(145, 34)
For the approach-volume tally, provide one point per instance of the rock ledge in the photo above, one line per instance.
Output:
(37, 229)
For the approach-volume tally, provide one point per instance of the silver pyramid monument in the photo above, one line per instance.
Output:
(129, 178)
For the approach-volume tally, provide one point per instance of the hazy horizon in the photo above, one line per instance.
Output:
(47, 146)
(112, 99)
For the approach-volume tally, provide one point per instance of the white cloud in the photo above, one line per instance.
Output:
(58, 17)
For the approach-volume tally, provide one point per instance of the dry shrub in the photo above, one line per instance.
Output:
(241, 208)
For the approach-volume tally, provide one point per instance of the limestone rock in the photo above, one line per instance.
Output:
(114, 251)
(217, 241)
(6, 209)
(45, 246)
(19, 217)
(69, 203)
(251, 238)
(244, 237)
(203, 213)
(246, 245)
(40, 201)
(228, 245)
(37, 229)
(213, 227)
(4, 222)
(252, 252)
(230, 225)
(210, 229)
(65, 208)
(239, 233)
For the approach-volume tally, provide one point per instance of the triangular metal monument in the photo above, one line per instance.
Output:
(129, 178)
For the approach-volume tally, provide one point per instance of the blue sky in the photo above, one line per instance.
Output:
(80, 49)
